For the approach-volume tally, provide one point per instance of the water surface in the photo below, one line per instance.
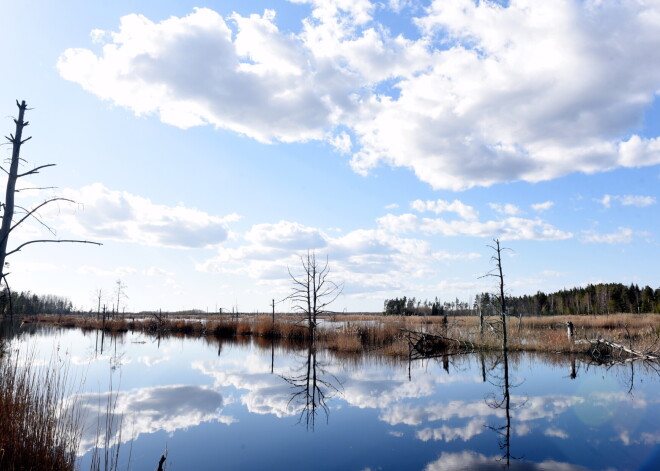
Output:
(239, 405)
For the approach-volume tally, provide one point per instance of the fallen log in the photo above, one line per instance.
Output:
(599, 349)
(427, 344)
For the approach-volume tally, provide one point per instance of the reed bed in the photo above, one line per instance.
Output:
(375, 333)
(34, 433)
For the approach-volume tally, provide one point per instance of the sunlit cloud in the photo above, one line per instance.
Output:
(106, 214)
(470, 100)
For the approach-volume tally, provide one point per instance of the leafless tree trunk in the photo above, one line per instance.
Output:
(120, 291)
(9, 206)
(498, 273)
(312, 291)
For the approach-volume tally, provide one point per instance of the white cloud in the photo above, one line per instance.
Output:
(366, 260)
(445, 433)
(121, 216)
(638, 201)
(606, 201)
(623, 235)
(440, 206)
(507, 208)
(473, 460)
(556, 432)
(486, 94)
(147, 410)
(541, 207)
(510, 228)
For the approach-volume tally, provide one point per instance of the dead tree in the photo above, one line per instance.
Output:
(120, 291)
(499, 275)
(8, 208)
(312, 291)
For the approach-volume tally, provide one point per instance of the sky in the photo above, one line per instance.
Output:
(208, 146)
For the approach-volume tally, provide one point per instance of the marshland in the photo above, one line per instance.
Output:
(253, 392)
(342, 171)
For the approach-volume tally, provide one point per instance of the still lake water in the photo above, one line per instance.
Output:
(239, 405)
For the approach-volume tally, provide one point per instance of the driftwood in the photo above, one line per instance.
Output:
(601, 349)
(426, 345)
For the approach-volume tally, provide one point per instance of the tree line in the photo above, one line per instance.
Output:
(598, 299)
(27, 303)
(594, 299)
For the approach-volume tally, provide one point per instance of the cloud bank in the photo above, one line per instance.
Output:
(480, 94)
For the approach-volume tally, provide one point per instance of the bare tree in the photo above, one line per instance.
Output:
(120, 291)
(11, 218)
(312, 291)
(499, 275)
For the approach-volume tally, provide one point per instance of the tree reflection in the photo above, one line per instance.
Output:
(312, 387)
(495, 401)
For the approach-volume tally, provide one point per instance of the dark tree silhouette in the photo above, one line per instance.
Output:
(312, 291)
(11, 218)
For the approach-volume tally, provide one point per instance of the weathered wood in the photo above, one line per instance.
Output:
(617, 347)
(427, 345)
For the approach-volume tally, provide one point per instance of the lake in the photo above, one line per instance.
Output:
(258, 405)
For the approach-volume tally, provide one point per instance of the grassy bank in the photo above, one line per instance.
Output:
(373, 333)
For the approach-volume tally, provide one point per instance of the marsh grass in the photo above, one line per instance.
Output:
(34, 433)
(383, 335)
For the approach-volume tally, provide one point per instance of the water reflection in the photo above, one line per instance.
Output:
(115, 417)
(470, 460)
(503, 402)
(311, 387)
(243, 399)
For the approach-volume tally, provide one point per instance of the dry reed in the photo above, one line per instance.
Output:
(34, 433)
(363, 333)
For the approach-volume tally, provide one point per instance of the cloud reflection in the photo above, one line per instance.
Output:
(476, 461)
(147, 410)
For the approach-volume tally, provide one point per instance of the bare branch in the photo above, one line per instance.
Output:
(37, 209)
(17, 249)
(48, 228)
(34, 170)
(35, 187)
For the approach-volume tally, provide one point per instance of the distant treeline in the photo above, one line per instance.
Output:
(602, 298)
(27, 303)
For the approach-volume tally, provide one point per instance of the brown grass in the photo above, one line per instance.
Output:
(372, 333)
(34, 435)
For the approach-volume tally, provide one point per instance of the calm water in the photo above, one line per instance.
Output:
(242, 406)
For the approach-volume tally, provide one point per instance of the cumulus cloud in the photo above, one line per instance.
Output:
(366, 260)
(121, 216)
(483, 93)
(147, 410)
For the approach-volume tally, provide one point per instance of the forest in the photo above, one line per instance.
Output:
(28, 303)
(601, 298)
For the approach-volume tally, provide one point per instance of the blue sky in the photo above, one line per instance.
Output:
(209, 145)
